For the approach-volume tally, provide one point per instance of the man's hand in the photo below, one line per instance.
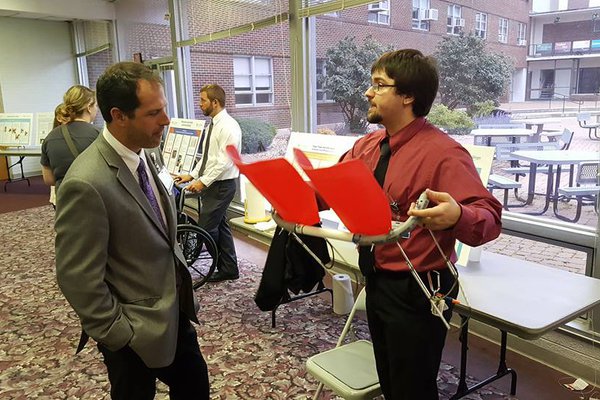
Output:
(195, 187)
(182, 178)
(443, 215)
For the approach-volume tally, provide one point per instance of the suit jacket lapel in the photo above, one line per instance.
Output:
(126, 179)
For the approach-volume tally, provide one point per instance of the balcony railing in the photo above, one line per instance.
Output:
(565, 48)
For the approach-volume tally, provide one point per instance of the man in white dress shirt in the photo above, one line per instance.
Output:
(214, 177)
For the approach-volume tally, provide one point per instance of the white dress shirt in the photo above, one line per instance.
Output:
(219, 166)
(132, 160)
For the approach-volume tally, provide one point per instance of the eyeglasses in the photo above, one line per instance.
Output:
(377, 87)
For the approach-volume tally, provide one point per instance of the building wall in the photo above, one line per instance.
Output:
(212, 62)
(36, 68)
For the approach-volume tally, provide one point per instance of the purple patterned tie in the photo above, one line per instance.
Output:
(147, 189)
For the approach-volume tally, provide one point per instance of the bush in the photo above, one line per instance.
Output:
(482, 109)
(256, 135)
(452, 121)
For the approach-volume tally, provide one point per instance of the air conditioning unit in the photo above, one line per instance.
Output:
(377, 6)
(428, 14)
(522, 42)
(459, 22)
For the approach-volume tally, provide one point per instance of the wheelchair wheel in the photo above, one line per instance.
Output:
(200, 251)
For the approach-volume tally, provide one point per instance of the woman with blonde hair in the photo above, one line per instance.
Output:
(73, 134)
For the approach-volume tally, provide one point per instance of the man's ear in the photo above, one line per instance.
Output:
(408, 100)
(117, 115)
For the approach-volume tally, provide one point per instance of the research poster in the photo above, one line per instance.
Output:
(43, 124)
(482, 158)
(322, 150)
(15, 129)
(181, 144)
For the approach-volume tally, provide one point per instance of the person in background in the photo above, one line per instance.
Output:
(61, 146)
(408, 157)
(214, 177)
(59, 120)
(118, 262)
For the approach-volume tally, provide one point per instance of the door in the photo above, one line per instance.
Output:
(547, 83)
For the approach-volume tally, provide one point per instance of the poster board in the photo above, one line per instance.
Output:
(43, 126)
(482, 158)
(16, 129)
(322, 150)
(181, 144)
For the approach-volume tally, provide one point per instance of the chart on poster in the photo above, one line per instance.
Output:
(43, 126)
(181, 144)
(15, 129)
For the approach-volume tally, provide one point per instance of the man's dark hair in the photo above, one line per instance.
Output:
(117, 87)
(214, 92)
(414, 75)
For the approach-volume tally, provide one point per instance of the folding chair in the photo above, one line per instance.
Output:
(348, 369)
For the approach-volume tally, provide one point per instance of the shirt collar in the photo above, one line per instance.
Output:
(405, 134)
(130, 158)
(222, 114)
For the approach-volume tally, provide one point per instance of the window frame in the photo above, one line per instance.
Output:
(521, 34)
(503, 30)
(321, 70)
(481, 25)
(417, 23)
(253, 78)
(454, 13)
(381, 9)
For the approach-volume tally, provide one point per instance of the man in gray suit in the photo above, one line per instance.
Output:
(117, 259)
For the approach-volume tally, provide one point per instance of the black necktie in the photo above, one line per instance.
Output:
(366, 254)
(384, 160)
(205, 150)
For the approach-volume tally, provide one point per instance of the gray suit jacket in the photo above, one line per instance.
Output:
(124, 276)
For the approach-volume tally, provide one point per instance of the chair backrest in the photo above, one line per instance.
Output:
(565, 139)
(359, 305)
(588, 174)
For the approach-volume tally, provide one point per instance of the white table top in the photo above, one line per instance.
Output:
(502, 132)
(26, 151)
(556, 157)
(522, 297)
(537, 121)
(517, 296)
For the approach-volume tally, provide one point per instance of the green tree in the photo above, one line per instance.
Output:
(469, 73)
(348, 77)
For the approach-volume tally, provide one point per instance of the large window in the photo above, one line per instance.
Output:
(253, 80)
(522, 34)
(379, 13)
(455, 21)
(481, 25)
(503, 30)
(421, 14)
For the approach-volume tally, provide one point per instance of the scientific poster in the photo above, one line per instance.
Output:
(43, 124)
(322, 150)
(15, 129)
(482, 158)
(181, 144)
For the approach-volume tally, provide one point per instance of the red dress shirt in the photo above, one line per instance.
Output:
(425, 157)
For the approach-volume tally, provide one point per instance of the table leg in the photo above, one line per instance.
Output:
(8, 168)
(503, 370)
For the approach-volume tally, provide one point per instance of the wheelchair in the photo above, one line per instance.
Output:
(199, 248)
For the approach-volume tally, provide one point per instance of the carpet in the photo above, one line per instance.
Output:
(247, 358)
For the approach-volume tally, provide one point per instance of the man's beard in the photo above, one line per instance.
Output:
(374, 117)
(208, 111)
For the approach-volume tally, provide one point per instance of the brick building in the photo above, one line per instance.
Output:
(255, 70)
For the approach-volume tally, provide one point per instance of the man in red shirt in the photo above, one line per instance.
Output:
(407, 338)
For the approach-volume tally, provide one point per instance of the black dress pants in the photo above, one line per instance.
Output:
(407, 338)
(215, 201)
(187, 376)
